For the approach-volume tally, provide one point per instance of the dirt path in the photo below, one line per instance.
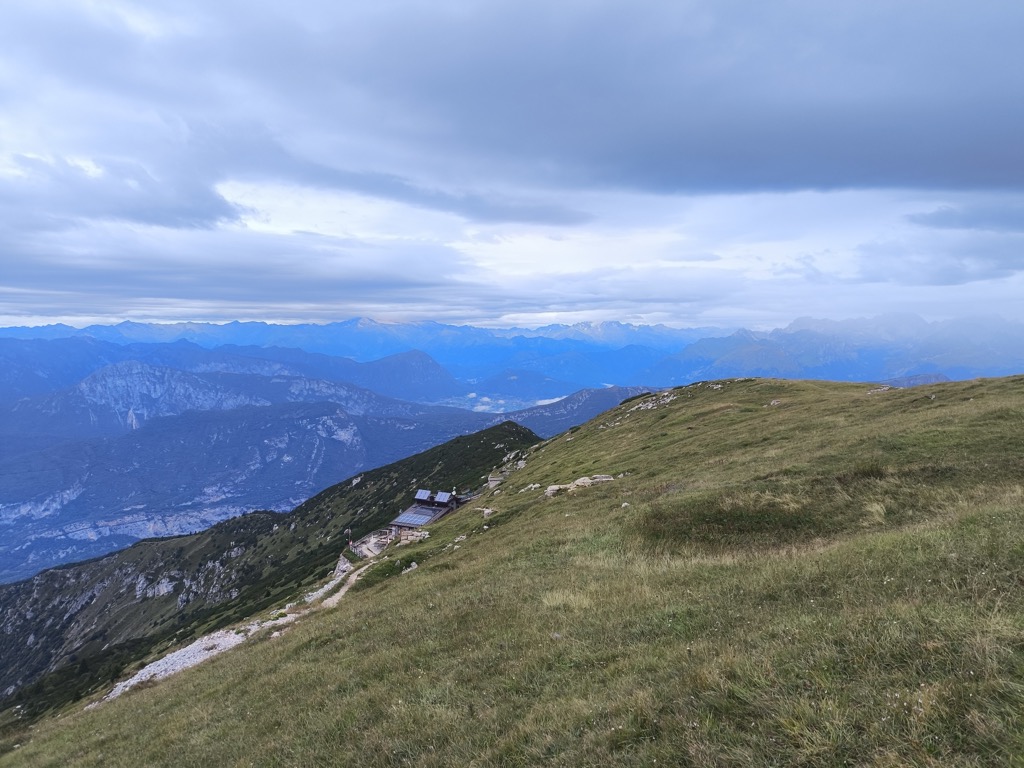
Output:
(222, 640)
(334, 599)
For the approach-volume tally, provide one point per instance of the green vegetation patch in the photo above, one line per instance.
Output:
(794, 511)
(747, 519)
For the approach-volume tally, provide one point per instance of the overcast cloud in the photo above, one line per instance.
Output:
(691, 162)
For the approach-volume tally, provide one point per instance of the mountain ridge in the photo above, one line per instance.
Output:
(595, 354)
(81, 610)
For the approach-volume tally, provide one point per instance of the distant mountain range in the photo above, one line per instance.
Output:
(879, 349)
(113, 433)
(578, 356)
(364, 339)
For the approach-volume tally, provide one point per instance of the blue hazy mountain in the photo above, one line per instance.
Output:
(581, 355)
(891, 347)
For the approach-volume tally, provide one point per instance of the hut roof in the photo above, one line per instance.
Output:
(414, 517)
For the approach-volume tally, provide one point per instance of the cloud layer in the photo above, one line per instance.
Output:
(680, 162)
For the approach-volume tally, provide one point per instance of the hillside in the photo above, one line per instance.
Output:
(85, 622)
(779, 573)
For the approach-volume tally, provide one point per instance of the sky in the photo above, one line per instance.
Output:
(511, 162)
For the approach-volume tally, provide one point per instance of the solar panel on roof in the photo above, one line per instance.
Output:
(442, 497)
(422, 495)
(412, 518)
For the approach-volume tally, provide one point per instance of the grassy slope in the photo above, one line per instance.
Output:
(833, 579)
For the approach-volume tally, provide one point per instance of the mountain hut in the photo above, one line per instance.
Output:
(427, 507)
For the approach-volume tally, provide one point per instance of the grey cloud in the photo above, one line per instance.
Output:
(122, 190)
(250, 152)
(230, 267)
(993, 218)
(936, 263)
(245, 274)
(295, 298)
(176, 187)
(701, 96)
(506, 111)
(661, 96)
(473, 206)
(171, 118)
(619, 292)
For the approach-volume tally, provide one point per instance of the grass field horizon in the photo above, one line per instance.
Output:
(780, 573)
